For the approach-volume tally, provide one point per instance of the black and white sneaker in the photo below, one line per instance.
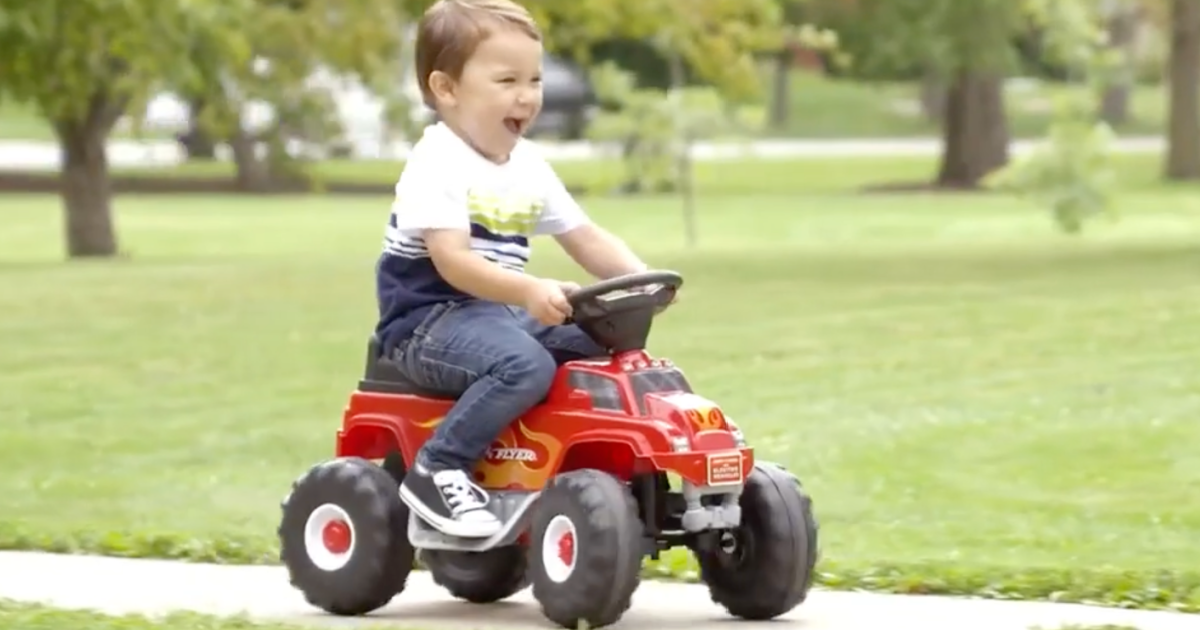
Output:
(450, 502)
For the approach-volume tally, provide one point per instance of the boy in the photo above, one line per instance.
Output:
(457, 311)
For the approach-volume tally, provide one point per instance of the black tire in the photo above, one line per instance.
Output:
(771, 569)
(380, 556)
(479, 578)
(608, 548)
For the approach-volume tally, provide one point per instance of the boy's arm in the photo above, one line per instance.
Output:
(471, 273)
(600, 252)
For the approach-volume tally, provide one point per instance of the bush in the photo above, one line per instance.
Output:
(1072, 174)
(655, 128)
(1151, 590)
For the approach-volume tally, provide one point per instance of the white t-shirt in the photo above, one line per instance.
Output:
(447, 184)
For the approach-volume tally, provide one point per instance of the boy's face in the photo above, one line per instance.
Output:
(498, 95)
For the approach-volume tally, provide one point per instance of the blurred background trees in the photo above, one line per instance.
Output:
(265, 82)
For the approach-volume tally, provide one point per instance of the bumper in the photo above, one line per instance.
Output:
(717, 469)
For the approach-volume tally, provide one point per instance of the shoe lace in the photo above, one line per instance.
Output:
(461, 494)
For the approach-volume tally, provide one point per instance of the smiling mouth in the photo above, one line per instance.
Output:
(516, 125)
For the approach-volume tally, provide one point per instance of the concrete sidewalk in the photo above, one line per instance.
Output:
(120, 586)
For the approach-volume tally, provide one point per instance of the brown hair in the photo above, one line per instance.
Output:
(450, 31)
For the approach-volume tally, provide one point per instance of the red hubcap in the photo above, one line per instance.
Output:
(336, 536)
(566, 549)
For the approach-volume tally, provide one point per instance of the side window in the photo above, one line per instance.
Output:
(603, 390)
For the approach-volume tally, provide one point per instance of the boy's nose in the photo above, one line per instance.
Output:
(528, 96)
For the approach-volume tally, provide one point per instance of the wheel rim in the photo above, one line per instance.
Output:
(329, 537)
(735, 551)
(559, 549)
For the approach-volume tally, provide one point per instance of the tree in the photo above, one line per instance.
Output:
(83, 63)
(300, 48)
(965, 46)
(1183, 70)
(717, 38)
(1122, 17)
(1072, 172)
(779, 106)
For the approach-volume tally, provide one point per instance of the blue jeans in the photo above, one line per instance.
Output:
(501, 360)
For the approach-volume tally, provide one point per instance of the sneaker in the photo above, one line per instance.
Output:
(450, 502)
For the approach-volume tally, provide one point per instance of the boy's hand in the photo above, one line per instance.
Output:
(546, 300)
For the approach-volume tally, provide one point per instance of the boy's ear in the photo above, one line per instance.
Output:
(443, 88)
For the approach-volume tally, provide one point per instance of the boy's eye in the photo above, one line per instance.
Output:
(508, 80)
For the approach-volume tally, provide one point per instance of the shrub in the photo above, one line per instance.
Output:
(1072, 173)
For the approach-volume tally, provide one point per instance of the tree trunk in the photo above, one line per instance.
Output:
(86, 184)
(253, 173)
(1183, 69)
(1122, 25)
(781, 85)
(933, 97)
(196, 141)
(975, 130)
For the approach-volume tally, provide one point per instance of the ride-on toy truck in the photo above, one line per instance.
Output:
(581, 483)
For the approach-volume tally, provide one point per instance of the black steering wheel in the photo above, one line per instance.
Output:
(648, 289)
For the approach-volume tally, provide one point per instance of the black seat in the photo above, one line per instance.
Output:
(382, 376)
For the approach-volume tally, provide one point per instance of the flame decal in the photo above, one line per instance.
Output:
(699, 411)
(491, 473)
(706, 419)
(430, 423)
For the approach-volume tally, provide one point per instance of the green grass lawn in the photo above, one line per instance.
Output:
(14, 616)
(724, 178)
(827, 108)
(954, 381)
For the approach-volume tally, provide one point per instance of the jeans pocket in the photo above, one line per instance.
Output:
(422, 358)
(402, 354)
(432, 319)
